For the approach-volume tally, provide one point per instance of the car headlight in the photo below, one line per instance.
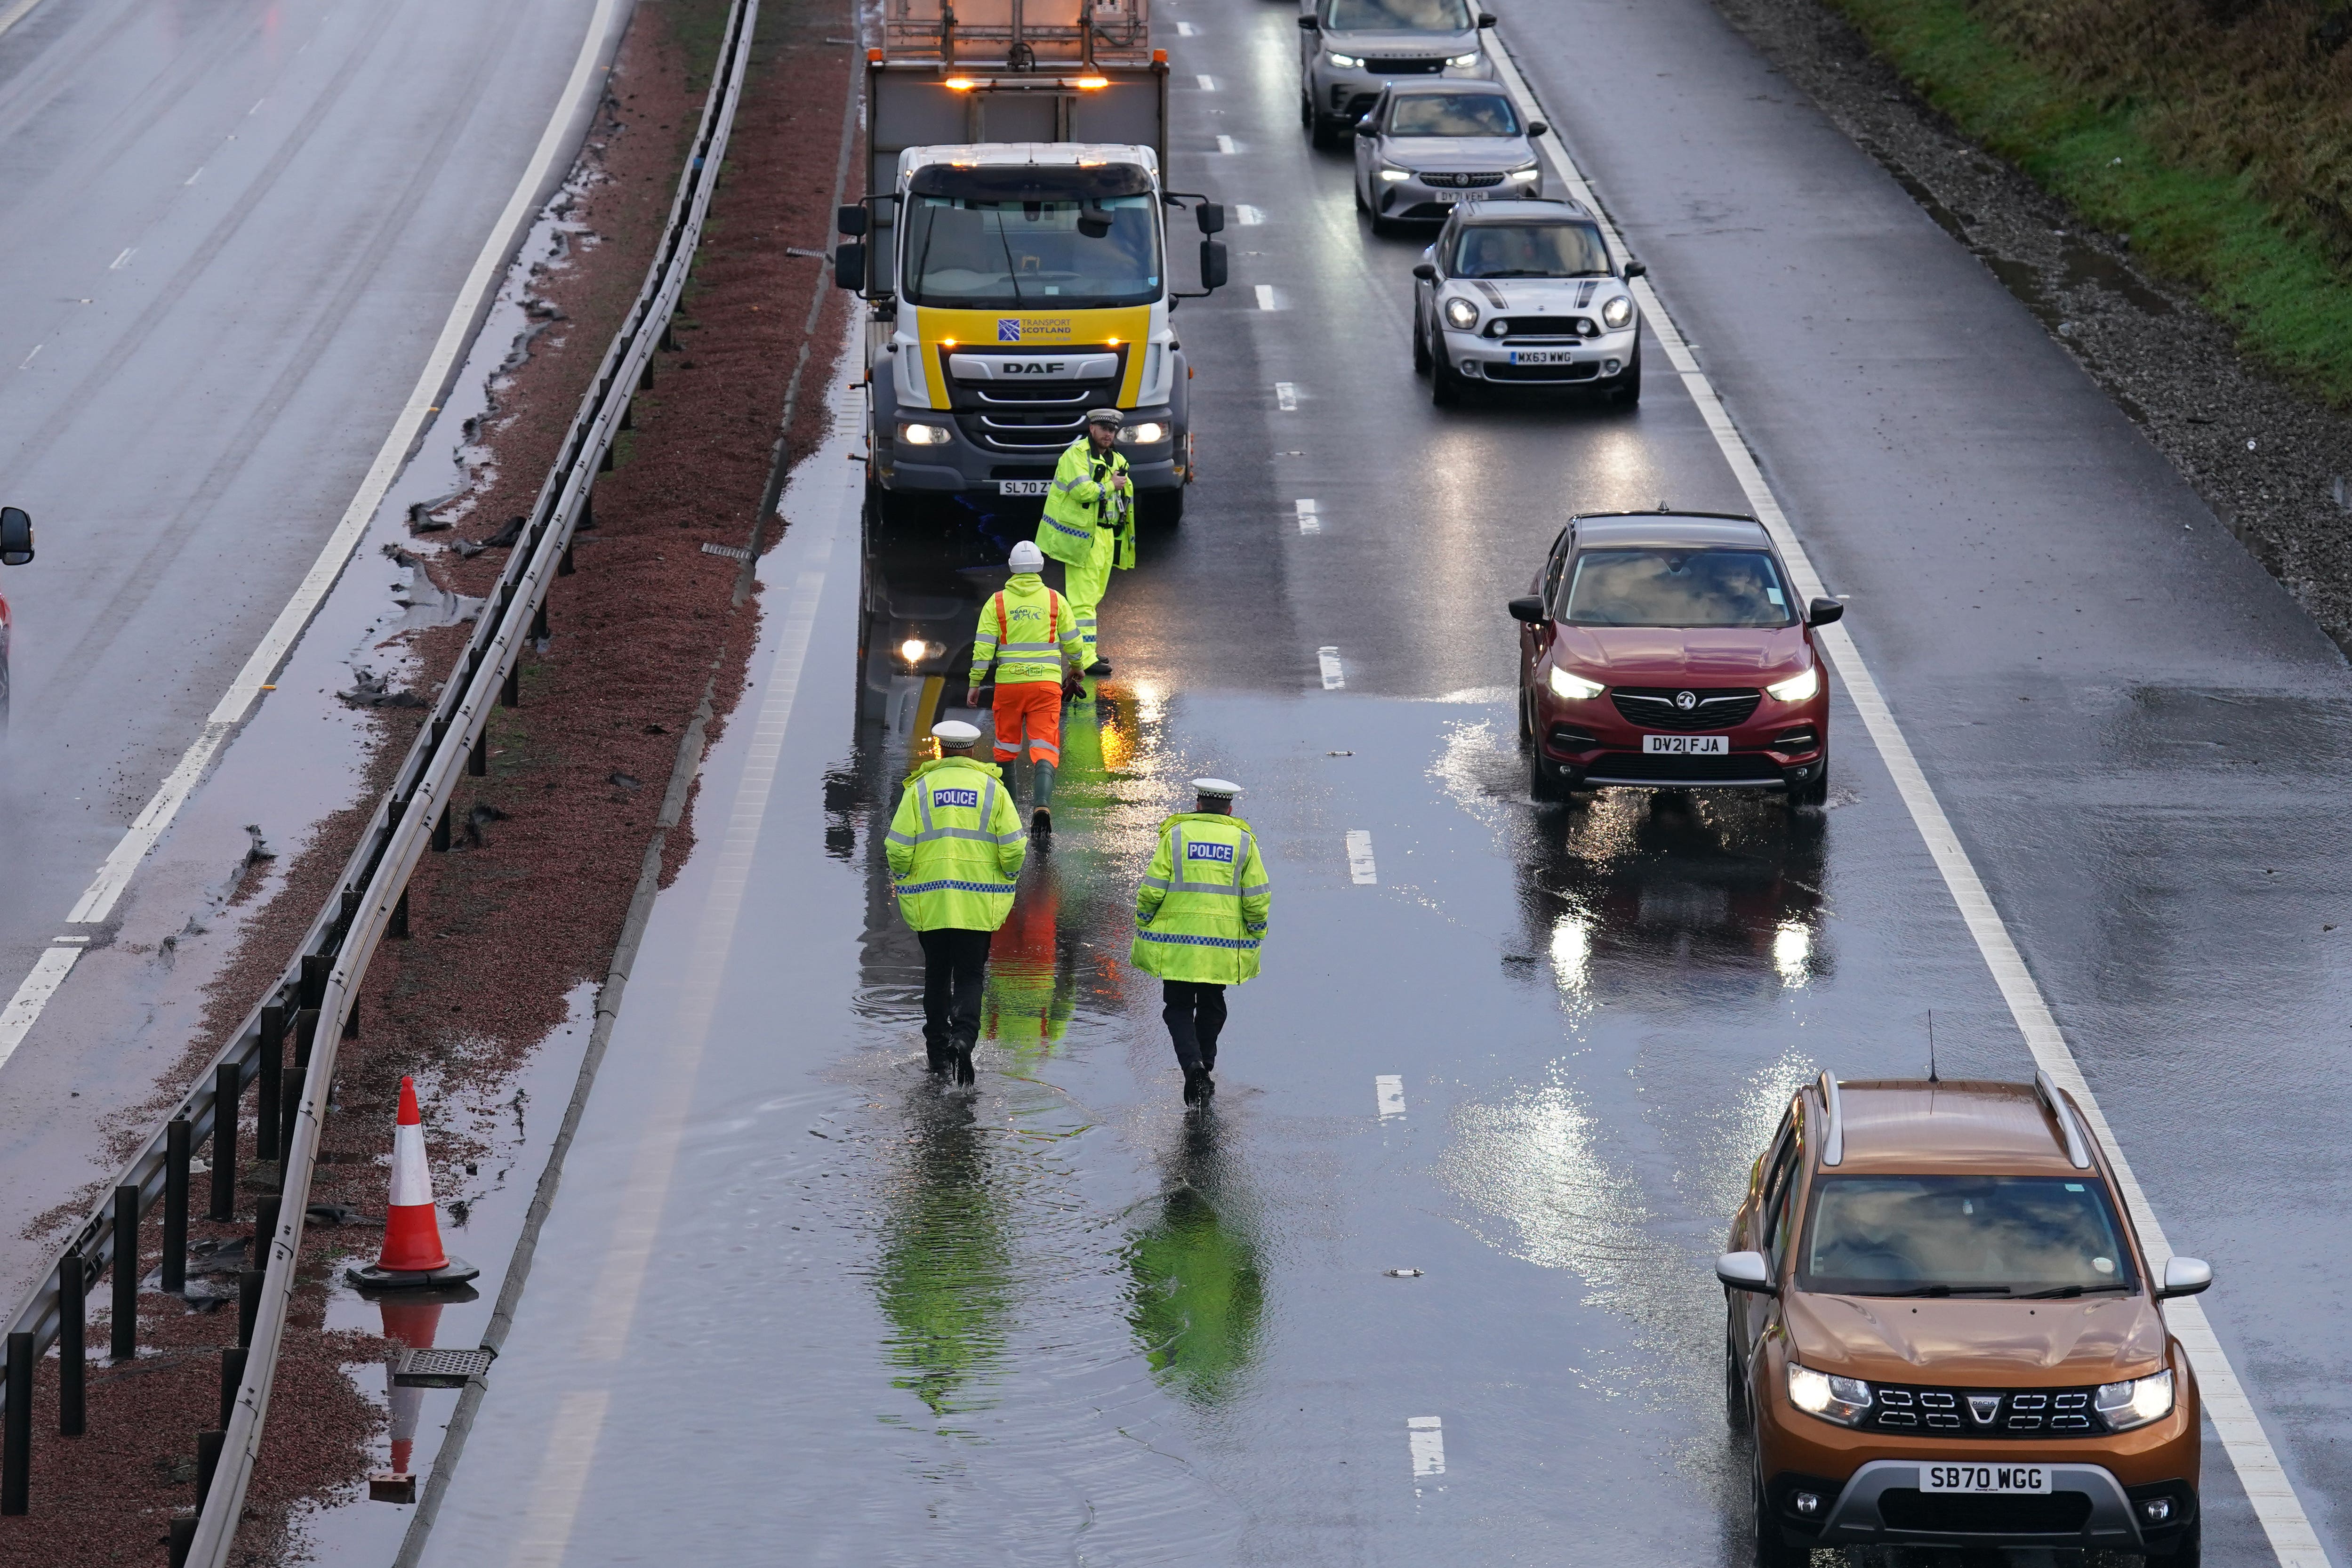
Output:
(1618, 311)
(1460, 314)
(1148, 432)
(1575, 688)
(1463, 62)
(2137, 1403)
(1345, 62)
(1844, 1400)
(1797, 688)
(924, 435)
(1523, 176)
(1388, 173)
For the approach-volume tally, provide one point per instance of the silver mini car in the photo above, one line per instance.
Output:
(1426, 146)
(1349, 49)
(1524, 293)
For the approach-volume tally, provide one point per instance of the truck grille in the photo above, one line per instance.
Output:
(1035, 420)
(2017, 1413)
(1656, 708)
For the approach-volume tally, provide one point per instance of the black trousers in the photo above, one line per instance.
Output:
(955, 966)
(1194, 1013)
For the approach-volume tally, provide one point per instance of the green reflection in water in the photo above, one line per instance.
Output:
(944, 1279)
(1196, 1299)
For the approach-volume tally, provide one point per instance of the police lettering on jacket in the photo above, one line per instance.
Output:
(1224, 852)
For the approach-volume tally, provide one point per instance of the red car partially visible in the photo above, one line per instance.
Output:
(16, 550)
(1666, 650)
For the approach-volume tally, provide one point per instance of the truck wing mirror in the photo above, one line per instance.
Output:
(852, 220)
(1527, 608)
(1822, 612)
(1309, 23)
(849, 266)
(15, 536)
(1213, 266)
(1211, 217)
(1746, 1271)
(1425, 271)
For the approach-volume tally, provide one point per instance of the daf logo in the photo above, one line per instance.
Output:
(1033, 366)
(1983, 1407)
(1685, 700)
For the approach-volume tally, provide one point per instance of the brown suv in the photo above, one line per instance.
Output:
(1942, 1331)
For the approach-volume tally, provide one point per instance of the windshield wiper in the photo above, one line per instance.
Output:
(2072, 1290)
(1937, 1290)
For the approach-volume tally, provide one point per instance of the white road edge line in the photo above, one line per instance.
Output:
(17, 13)
(1388, 1093)
(1334, 676)
(2292, 1538)
(1424, 1437)
(1361, 869)
(489, 266)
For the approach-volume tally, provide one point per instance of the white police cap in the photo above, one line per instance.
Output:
(1223, 789)
(956, 732)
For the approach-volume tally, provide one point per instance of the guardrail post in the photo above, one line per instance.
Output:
(629, 414)
(511, 690)
(125, 1327)
(249, 1304)
(539, 632)
(73, 1349)
(397, 927)
(645, 378)
(208, 1452)
(306, 1029)
(176, 1204)
(16, 1467)
(669, 338)
(478, 760)
(232, 1379)
(351, 1021)
(265, 1230)
(587, 511)
(604, 463)
(267, 1059)
(228, 1091)
(290, 1103)
(441, 830)
(183, 1538)
(315, 968)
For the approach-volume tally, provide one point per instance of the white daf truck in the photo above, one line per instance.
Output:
(1014, 249)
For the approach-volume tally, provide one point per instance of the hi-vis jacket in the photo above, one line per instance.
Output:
(1082, 515)
(1201, 912)
(1028, 631)
(955, 846)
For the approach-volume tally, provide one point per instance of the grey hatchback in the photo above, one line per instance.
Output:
(1428, 145)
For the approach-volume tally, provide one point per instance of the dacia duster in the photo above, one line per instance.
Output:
(1942, 1331)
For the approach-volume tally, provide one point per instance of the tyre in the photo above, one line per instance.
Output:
(1628, 391)
(1306, 112)
(1421, 361)
(1362, 205)
(1160, 509)
(1547, 781)
(1322, 133)
(1772, 1548)
(2190, 1551)
(1814, 791)
(1527, 719)
(1444, 383)
(1382, 227)
(1736, 1413)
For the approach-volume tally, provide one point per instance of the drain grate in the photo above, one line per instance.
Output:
(440, 1368)
(732, 552)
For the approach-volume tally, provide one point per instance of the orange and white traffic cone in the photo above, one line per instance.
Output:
(413, 1257)
(414, 1324)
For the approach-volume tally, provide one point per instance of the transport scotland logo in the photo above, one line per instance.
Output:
(1008, 329)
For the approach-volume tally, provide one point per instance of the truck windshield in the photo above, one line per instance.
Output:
(1687, 588)
(982, 255)
(1398, 16)
(1963, 1235)
(1530, 250)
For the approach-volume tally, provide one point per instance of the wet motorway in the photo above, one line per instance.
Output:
(1433, 1275)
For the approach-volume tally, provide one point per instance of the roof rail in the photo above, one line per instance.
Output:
(2078, 1153)
(1832, 1140)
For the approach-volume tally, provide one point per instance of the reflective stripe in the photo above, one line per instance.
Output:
(1030, 647)
(930, 833)
(894, 836)
(904, 889)
(1258, 888)
(1076, 530)
(1155, 881)
(1237, 941)
(1013, 837)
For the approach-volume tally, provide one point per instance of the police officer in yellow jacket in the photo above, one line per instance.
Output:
(1200, 918)
(955, 848)
(1089, 521)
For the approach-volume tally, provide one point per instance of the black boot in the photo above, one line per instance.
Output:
(964, 1074)
(1195, 1086)
(938, 1059)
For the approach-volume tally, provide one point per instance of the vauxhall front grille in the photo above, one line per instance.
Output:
(1460, 182)
(1664, 708)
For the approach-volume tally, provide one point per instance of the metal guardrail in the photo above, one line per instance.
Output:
(369, 900)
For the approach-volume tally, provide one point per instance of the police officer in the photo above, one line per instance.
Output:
(1089, 521)
(1030, 634)
(1199, 919)
(955, 847)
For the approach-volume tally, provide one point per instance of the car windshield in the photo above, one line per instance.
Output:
(1453, 114)
(1529, 250)
(979, 255)
(1398, 16)
(1933, 1236)
(1676, 588)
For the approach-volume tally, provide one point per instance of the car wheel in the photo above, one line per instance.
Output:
(1381, 226)
(1772, 1548)
(1527, 719)
(1444, 383)
(1735, 1389)
(1322, 133)
(1306, 112)
(1546, 780)
(2189, 1551)
(1814, 791)
(1421, 361)
(1628, 391)
(1361, 204)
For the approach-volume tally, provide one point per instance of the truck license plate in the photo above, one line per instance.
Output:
(1542, 356)
(2033, 1479)
(1023, 486)
(1686, 745)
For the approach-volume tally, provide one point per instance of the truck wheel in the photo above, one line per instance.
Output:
(1160, 509)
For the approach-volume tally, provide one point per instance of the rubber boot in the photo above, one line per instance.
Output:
(965, 1076)
(1041, 815)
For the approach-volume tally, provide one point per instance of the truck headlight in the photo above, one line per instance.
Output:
(1463, 62)
(1388, 172)
(2137, 1403)
(924, 435)
(1345, 62)
(1618, 311)
(1575, 688)
(1797, 688)
(1461, 315)
(1148, 432)
(1844, 1400)
(1523, 176)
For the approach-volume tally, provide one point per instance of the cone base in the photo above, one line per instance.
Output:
(391, 1485)
(457, 1272)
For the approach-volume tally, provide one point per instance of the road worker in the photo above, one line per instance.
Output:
(955, 848)
(1030, 634)
(1090, 522)
(1199, 919)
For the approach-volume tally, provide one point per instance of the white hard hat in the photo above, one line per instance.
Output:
(956, 732)
(1223, 789)
(1028, 557)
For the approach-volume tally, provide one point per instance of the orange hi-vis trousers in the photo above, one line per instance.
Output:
(1029, 711)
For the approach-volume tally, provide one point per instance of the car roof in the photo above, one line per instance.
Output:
(1520, 209)
(1691, 529)
(1963, 1127)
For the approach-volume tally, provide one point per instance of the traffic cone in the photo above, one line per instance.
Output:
(411, 1256)
(414, 1324)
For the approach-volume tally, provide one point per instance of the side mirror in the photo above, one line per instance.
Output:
(1822, 612)
(1746, 1271)
(15, 536)
(849, 266)
(1536, 128)
(1213, 266)
(1425, 270)
(1635, 269)
(1364, 127)
(1309, 23)
(1527, 608)
(1487, 18)
(1211, 217)
(851, 220)
(2182, 1277)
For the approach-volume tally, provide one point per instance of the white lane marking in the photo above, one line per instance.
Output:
(1310, 520)
(1225, 144)
(1361, 868)
(192, 179)
(1248, 216)
(489, 266)
(256, 107)
(1186, 30)
(546, 1533)
(17, 13)
(1424, 1436)
(121, 261)
(26, 363)
(1334, 676)
(1388, 1092)
(1208, 83)
(1265, 297)
(1286, 396)
(2292, 1538)
(49, 972)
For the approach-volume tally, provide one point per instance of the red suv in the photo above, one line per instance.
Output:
(1666, 650)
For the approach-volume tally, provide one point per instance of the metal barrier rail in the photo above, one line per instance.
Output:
(370, 899)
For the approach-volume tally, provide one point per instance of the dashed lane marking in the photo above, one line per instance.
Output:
(1424, 1437)
(121, 261)
(1208, 83)
(1265, 301)
(1361, 868)
(1248, 216)
(192, 179)
(26, 363)
(1286, 396)
(1334, 678)
(1225, 144)
(1186, 30)
(1388, 1092)
(1310, 520)
(2292, 1538)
